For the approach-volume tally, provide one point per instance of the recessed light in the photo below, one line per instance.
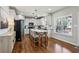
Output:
(49, 9)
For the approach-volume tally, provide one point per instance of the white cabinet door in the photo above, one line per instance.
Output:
(7, 44)
(1, 44)
(11, 43)
(4, 44)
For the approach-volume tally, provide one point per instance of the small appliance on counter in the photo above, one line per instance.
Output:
(30, 26)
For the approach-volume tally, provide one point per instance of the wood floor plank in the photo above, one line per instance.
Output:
(54, 46)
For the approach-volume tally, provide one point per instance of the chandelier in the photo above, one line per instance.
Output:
(35, 15)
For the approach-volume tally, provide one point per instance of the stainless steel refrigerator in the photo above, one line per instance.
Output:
(19, 29)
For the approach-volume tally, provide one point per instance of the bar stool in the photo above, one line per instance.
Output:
(44, 39)
(35, 39)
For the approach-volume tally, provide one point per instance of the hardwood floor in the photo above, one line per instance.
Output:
(54, 46)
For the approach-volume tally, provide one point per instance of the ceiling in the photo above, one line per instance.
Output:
(41, 10)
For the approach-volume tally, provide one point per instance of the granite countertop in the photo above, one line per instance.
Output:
(5, 32)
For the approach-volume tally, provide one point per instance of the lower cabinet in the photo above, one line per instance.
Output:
(11, 44)
(7, 44)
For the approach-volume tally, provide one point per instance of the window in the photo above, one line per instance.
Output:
(64, 25)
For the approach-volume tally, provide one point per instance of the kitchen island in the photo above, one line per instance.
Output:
(40, 36)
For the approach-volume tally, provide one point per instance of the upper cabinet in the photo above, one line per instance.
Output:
(4, 13)
(7, 16)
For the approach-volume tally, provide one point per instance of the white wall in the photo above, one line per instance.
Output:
(48, 17)
(75, 17)
(48, 24)
(4, 11)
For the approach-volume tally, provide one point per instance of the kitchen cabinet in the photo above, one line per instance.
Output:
(7, 43)
(7, 38)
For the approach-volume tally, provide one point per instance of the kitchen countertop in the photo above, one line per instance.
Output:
(5, 32)
(38, 30)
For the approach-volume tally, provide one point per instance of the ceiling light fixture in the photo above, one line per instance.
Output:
(36, 16)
